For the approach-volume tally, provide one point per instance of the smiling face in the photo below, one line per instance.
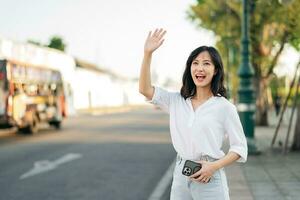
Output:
(202, 70)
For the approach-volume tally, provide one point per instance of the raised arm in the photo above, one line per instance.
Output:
(153, 42)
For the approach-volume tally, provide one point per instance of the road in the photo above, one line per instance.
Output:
(112, 156)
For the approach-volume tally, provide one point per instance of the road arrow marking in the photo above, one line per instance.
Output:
(46, 165)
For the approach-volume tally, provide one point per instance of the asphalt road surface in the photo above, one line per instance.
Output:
(110, 157)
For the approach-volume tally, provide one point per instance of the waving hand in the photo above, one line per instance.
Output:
(154, 40)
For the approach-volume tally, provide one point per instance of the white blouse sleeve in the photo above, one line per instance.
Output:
(235, 132)
(161, 98)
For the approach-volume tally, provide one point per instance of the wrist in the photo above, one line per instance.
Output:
(216, 165)
(148, 53)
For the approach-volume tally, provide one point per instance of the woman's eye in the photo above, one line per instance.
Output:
(206, 64)
(195, 63)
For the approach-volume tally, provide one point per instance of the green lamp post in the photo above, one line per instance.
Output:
(246, 99)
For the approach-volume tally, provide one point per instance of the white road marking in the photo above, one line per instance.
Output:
(46, 165)
(163, 184)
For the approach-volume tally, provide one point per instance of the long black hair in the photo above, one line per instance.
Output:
(188, 88)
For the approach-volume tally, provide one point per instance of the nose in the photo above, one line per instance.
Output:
(199, 68)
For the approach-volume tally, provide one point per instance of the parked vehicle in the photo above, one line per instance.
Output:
(30, 95)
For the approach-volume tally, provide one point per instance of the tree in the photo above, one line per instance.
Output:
(296, 141)
(56, 42)
(272, 26)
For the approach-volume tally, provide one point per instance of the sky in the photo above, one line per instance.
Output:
(109, 33)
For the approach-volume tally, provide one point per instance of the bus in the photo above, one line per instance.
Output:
(30, 95)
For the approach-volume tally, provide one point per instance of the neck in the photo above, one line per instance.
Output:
(203, 93)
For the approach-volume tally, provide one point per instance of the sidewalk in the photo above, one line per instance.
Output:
(271, 175)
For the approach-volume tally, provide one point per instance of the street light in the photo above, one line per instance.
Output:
(246, 99)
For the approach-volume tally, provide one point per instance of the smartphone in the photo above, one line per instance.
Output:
(190, 167)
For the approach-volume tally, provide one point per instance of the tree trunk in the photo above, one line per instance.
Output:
(296, 142)
(261, 114)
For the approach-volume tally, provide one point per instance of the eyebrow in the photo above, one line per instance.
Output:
(202, 61)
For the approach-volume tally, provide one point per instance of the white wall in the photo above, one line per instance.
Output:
(131, 89)
(93, 89)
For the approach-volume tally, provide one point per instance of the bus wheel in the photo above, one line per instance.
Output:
(32, 128)
(56, 124)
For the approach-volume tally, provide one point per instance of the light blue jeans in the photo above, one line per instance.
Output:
(185, 189)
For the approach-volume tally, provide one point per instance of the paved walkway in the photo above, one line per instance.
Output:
(269, 176)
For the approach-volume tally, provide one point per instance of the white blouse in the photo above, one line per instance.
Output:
(201, 132)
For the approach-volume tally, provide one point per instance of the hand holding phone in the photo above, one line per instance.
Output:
(190, 167)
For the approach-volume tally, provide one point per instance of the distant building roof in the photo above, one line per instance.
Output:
(89, 66)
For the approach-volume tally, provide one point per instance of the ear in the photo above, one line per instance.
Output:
(216, 71)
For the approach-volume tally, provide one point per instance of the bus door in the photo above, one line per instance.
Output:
(3, 90)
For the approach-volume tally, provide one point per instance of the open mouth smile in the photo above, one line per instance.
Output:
(200, 77)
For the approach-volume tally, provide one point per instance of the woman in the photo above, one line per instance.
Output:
(200, 118)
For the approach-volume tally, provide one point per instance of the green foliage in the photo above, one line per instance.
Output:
(272, 26)
(277, 86)
(56, 42)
